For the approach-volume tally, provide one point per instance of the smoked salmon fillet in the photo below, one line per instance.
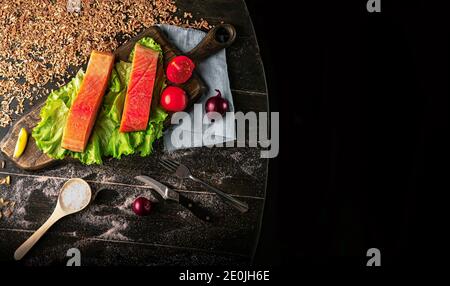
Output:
(83, 113)
(138, 100)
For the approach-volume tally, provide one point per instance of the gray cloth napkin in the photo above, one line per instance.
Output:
(215, 75)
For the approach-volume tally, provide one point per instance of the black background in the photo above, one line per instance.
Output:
(364, 160)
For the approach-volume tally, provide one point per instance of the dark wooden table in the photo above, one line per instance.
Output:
(108, 233)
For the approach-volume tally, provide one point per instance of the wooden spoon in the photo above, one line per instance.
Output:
(63, 208)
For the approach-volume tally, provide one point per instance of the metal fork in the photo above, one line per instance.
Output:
(181, 171)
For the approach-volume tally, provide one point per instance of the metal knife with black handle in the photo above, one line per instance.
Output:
(168, 194)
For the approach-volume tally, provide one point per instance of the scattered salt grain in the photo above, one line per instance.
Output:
(114, 232)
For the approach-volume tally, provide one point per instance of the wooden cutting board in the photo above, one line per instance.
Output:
(218, 38)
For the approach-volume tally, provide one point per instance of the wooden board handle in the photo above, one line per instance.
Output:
(218, 38)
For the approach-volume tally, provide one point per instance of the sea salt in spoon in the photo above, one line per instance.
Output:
(75, 195)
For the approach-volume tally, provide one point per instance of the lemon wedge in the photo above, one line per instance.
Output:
(21, 143)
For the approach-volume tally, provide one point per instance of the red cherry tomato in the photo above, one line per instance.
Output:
(173, 99)
(180, 69)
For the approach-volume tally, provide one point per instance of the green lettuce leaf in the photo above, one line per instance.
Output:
(49, 131)
(105, 140)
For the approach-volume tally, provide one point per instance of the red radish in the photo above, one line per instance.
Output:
(180, 69)
(142, 206)
(216, 104)
(173, 99)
